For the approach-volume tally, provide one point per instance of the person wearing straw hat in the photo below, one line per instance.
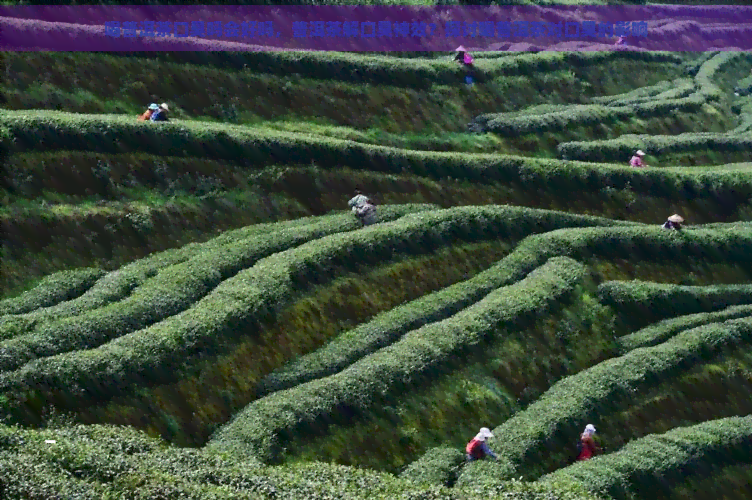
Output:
(636, 160)
(477, 448)
(463, 57)
(587, 448)
(160, 115)
(673, 222)
(150, 111)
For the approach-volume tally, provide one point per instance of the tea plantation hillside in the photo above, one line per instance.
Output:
(190, 311)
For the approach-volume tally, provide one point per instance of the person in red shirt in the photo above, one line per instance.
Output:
(477, 449)
(588, 448)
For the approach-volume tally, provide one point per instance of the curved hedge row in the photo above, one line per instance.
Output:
(96, 462)
(414, 73)
(656, 462)
(637, 94)
(706, 76)
(51, 290)
(621, 149)
(439, 466)
(514, 124)
(119, 284)
(65, 131)
(251, 297)
(260, 429)
(386, 328)
(173, 290)
(664, 330)
(656, 301)
(678, 89)
(566, 406)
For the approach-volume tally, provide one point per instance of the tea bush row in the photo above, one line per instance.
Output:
(708, 73)
(51, 290)
(260, 430)
(106, 463)
(386, 328)
(657, 462)
(173, 290)
(664, 330)
(676, 99)
(744, 86)
(581, 115)
(242, 303)
(119, 284)
(570, 403)
(413, 73)
(439, 466)
(257, 148)
(637, 94)
(656, 301)
(622, 148)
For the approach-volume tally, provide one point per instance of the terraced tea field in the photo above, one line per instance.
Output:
(190, 311)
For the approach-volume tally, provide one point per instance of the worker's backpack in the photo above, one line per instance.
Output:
(579, 446)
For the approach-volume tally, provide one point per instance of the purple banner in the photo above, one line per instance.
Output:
(374, 28)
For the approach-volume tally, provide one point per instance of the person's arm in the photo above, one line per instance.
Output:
(488, 451)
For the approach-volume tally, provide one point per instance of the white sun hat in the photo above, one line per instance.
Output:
(589, 429)
(676, 218)
(164, 106)
(484, 433)
(461, 48)
(640, 152)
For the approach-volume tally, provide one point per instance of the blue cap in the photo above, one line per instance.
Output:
(153, 106)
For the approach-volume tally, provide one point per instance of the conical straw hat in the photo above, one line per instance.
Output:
(676, 218)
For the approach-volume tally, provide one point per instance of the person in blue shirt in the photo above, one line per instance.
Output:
(160, 115)
(477, 448)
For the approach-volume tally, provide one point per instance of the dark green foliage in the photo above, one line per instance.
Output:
(53, 289)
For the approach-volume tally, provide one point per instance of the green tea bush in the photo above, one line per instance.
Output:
(707, 75)
(656, 462)
(569, 404)
(437, 466)
(655, 301)
(119, 284)
(664, 330)
(108, 463)
(389, 326)
(744, 87)
(413, 73)
(622, 148)
(261, 428)
(53, 131)
(251, 297)
(693, 67)
(173, 290)
(51, 290)
(512, 124)
(638, 94)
